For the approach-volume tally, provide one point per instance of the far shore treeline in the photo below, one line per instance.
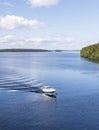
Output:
(91, 52)
(24, 50)
(32, 50)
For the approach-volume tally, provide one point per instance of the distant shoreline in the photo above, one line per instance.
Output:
(33, 50)
(24, 50)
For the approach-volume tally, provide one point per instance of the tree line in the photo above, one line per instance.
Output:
(90, 52)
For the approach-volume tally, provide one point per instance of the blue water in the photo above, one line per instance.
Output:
(23, 107)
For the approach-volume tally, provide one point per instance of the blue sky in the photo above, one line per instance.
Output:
(49, 24)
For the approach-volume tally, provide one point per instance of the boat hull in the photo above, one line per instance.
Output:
(51, 94)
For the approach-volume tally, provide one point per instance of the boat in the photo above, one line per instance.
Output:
(48, 90)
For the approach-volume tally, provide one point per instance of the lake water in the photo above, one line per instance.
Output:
(76, 80)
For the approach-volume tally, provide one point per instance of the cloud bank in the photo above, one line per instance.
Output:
(47, 42)
(44, 3)
(11, 22)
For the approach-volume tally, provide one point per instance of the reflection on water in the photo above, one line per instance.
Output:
(92, 60)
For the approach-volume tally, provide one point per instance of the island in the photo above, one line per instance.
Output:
(24, 50)
(91, 52)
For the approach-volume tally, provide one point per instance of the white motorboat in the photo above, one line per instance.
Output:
(48, 90)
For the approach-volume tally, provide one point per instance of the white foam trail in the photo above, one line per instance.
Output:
(13, 91)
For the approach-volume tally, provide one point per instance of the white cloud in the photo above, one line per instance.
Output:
(48, 42)
(6, 39)
(45, 3)
(11, 22)
(6, 4)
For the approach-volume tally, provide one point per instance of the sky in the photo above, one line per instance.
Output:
(49, 24)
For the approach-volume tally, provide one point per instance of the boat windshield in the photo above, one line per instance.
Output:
(47, 87)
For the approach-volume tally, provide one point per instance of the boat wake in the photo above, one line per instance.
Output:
(13, 81)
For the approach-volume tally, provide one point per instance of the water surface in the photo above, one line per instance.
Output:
(76, 80)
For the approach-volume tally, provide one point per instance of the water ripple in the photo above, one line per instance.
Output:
(12, 80)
